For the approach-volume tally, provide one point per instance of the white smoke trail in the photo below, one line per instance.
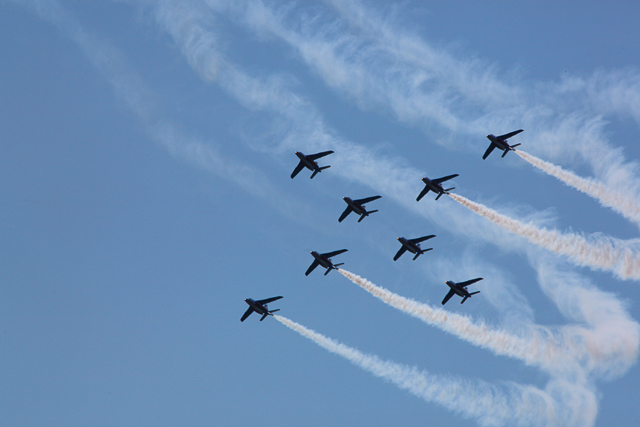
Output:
(597, 252)
(620, 203)
(557, 352)
(521, 405)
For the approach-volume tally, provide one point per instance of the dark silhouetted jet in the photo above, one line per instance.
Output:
(413, 246)
(310, 163)
(259, 307)
(358, 207)
(460, 289)
(434, 185)
(323, 260)
(501, 143)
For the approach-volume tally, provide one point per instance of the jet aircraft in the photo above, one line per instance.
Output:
(501, 143)
(460, 289)
(358, 207)
(259, 307)
(323, 260)
(309, 161)
(435, 186)
(413, 246)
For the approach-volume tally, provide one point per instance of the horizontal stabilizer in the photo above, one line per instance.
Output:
(327, 167)
(505, 153)
(417, 255)
(264, 316)
(315, 172)
(514, 146)
(473, 293)
(338, 265)
(449, 189)
(438, 196)
(463, 300)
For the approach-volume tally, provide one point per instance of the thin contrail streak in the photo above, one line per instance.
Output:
(598, 252)
(523, 405)
(620, 203)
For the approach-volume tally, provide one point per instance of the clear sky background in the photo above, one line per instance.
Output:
(144, 177)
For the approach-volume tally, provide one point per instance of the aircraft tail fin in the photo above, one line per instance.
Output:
(315, 172)
(365, 214)
(421, 251)
(445, 192)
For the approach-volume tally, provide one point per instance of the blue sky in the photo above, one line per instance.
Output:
(147, 148)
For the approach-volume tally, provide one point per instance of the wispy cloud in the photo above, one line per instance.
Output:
(144, 103)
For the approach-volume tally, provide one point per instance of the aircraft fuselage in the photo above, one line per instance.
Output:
(414, 248)
(433, 186)
(258, 308)
(323, 261)
(459, 290)
(356, 207)
(309, 164)
(499, 142)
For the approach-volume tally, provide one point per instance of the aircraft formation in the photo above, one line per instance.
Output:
(358, 207)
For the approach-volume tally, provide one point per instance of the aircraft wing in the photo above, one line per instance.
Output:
(400, 252)
(448, 296)
(334, 253)
(422, 239)
(318, 155)
(444, 178)
(246, 314)
(268, 300)
(510, 134)
(422, 193)
(367, 200)
(469, 282)
(297, 170)
(312, 267)
(489, 150)
(345, 213)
